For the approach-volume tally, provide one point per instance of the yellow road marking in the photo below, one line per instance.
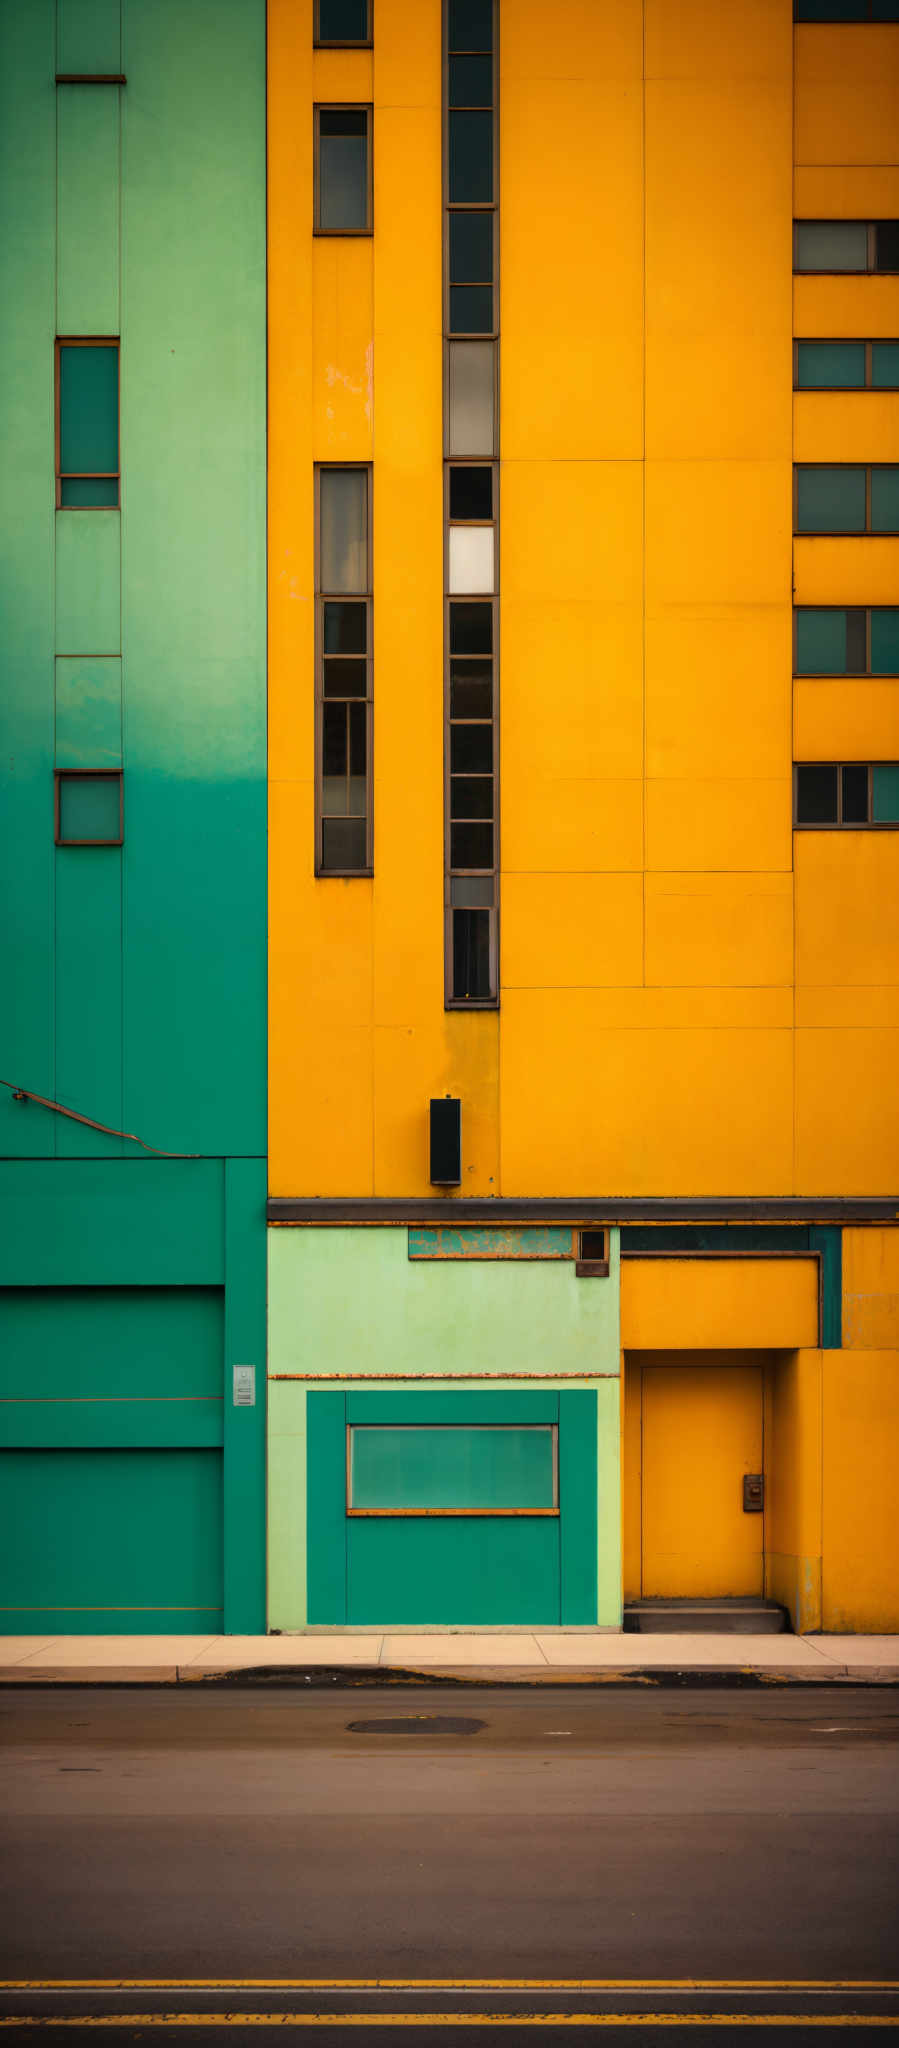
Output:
(449, 1984)
(452, 2019)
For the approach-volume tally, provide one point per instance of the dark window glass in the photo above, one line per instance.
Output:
(830, 245)
(471, 248)
(471, 796)
(830, 500)
(89, 810)
(593, 1246)
(830, 10)
(471, 954)
(886, 245)
(470, 159)
(885, 10)
(471, 24)
(855, 794)
(334, 745)
(471, 846)
(343, 170)
(472, 889)
(856, 641)
(885, 365)
(471, 689)
(471, 628)
(343, 844)
(830, 365)
(358, 727)
(471, 309)
(471, 752)
(885, 777)
(344, 629)
(471, 81)
(344, 678)
(885, 498)
(816, 795)
(820, 642)
(885, 640)
(471, 493)
(88, 425)
(343, 21)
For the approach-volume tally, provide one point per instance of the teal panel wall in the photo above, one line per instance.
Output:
(88, 986)
(88, 35)
(88, 713)
(245, 1344)
(27, 312)
(138, 1222)
(113, 1342)
(87, 219)
(88, 582)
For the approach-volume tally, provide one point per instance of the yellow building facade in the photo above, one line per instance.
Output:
(693, 1029)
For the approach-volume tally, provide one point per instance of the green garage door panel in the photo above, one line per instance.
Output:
(502, 1571)
(106, 1343)
(111, 1541)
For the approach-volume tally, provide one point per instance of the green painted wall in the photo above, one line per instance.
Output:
(137, 635)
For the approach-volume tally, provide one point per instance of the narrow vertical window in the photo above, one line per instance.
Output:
(343, 171)
(87, 424)
(471, 508)
(343, 672)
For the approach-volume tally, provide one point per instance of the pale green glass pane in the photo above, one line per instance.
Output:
(88, 409)
(471, 397)
(885, 640)
(88, 490)
(831, 499)
(343, 173)
(885, 499)
(344, 539)
(453, 1468)
(886, 793)
(830, 365)
(89, 807)
(831, 245)
(820, 642)
(885, 365)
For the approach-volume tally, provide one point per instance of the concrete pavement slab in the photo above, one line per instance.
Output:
(861, 1650)
(14, 1649)
(640, 1653)
(244, 1653)
(451, 1650)
(104, 1652)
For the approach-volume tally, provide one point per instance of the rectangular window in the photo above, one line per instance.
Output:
(448, 1469)
(837, 640)
(846, 498)
(471, 376)
(843, 795)
(87, 424)
(592, 1255)
(846, 245)
(89, 807)
(343, 672)
(342, 22)
(884, 366)
(846, 365)
(343, 170)
(846, 10)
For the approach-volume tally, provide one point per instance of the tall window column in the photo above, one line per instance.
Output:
(471, 502)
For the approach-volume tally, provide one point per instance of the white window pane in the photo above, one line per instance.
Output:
(470, 560)
(344, 554)
(831, 245)
(471, 398)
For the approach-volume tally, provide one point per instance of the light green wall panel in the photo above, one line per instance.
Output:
(87, 157)
(88, 35)
(352, 1302)
(110, 1342)
(89, 997)
(88, 582)
(608, 1503)
(88, 713)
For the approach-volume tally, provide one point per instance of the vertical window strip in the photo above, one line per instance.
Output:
(471, 503)
(344, 842)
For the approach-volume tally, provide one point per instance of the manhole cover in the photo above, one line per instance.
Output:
(418, 1724)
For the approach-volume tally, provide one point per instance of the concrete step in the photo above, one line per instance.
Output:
(739, 1617)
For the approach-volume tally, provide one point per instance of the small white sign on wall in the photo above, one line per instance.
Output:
(245, 1386)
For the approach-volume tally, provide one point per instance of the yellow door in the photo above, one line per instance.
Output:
(702, 1430)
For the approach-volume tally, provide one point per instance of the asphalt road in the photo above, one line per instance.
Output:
(557, 1864)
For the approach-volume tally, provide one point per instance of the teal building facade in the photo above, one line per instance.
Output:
(133, 816)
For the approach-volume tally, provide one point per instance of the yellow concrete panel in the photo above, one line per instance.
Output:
(342, 349)
(573, 527)
(456, 1056)
(637, 1111)
(846, 191)
(847, 94)
(631, 1474)
(718, 691)
(845, 426)
(407, 202)
(861, 1515)
(716, 1303)
(702, 1430)
(749, 39)
(863, 571)
(703, 929)
(599, 648)
(838, 720)
(572, 825)
(717, 533)
(793, 1486)
(840, 1007)
(328, 1152)
(608, 40)
(742, 825)
(847, 908)
(871, 1290)
(321, 939)
(340, 75)
(836, 307)
(847, 1110)
(407, 55)
(570, 931)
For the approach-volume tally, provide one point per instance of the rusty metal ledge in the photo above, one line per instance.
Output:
(580, 1209)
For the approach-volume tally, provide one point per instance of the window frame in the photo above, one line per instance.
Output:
(326, 43)
(451, 874)
(323, 597)
(870, 268)
(842, 341)
(61, 775)
(450, 1514)
(86, 341)
(869, 824)
(866, 532)
(591, 1268)
(365, 107)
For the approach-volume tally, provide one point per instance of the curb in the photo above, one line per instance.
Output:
(353, 1677)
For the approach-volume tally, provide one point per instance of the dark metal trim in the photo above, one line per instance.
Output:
(588, 1211)
(91, 78)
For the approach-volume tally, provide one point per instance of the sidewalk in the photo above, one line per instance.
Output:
(563, 1657)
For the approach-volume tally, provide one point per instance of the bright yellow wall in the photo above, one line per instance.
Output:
(793, 1485)
(861, 1515)
(717, 1304)
(871, 1290)
(834, 720)
(847, 95)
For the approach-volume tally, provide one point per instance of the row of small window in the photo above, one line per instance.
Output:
(348, 23)
(846, 497)
(847, 794)
(846, 640)
(846, 10)
(846, 365)
(846, 245)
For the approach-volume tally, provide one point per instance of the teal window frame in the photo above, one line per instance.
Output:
(66, 341)
(62, 775)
